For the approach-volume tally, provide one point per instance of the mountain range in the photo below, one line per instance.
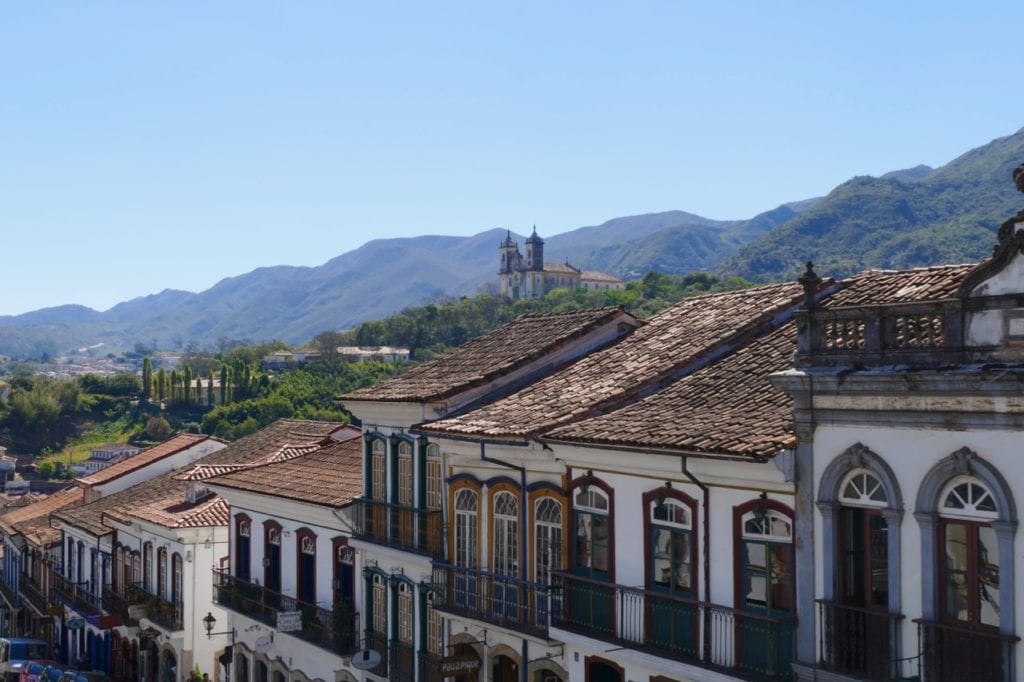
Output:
(909, 217)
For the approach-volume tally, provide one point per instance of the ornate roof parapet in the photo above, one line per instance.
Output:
(811, 282)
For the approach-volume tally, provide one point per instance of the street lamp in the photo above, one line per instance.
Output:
(209, 621)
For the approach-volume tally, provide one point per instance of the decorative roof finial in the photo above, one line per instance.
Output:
(810, 281)
(1018, 177)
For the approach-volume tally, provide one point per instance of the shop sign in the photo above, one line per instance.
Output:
(289, 621)
(453, 666)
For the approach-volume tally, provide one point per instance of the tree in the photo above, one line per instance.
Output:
(147, 379)
(223, 384)
(161, 384)
(209, 389)
(174, 385)
(158, 428)
(186, 384)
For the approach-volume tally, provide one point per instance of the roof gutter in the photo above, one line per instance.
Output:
(470, 439)
(676, 452)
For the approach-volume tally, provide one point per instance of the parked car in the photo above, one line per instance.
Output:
(15, 652)
(84, 676)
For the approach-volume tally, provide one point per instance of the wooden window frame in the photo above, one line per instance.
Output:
(300, 582)
(243, 560)
(650, 499)
(269, 526)
(609, 493)
(739, 511)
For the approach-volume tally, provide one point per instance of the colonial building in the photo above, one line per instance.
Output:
(910, 416)
(292, 587)
(530, 277)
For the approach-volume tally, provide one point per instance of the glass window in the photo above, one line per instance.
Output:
(177, 576)
(161, 572)
(767, 560)
(506, 534)
(405, 614)
(433, 479)
(466, 531)
(380, 605)
(405, 474)
(592, 531)
(862, 488)
(377, 473)
(548, 539)
(671, 564)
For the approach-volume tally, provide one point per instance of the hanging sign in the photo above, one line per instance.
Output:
(289, 621)
(453, 666)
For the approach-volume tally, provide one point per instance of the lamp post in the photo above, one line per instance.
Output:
(209, 622)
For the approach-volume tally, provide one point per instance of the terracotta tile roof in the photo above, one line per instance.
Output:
(331, 476)
(901, 286)
(162, 500)
(127, 465)
(33, 520)
(561, 268)
(666, 347)
(280, 440)
(728, 408)
(488, 357)
(595, 276)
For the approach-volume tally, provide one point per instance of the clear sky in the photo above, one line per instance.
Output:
(148, 145)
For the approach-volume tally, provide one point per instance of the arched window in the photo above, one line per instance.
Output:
(147, 566)
(671, 564)
(378, 470)
(506, 534)
(969, 569)
(592, 542)
(547, 551)
(272, 555)
(177, 579)
(766, 560)
(864, 542)
(466, 528)
(243, 556)
(161, 573)
(306, 547)
(433, 477)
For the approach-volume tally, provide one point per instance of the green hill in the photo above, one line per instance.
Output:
(903, 219)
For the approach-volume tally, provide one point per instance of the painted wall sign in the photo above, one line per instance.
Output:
(289, 621)
(459, 665)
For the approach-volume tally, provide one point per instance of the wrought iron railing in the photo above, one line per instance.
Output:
(502, 600)
(164, 613)
(78, 596)
(376, 641)
(859, 641)
(332, 629)
(118, 601)
(880, 334)
(413, 530)
(711, 636)
(402, 662)
(951, 653)
(33, 593)
(8, 593)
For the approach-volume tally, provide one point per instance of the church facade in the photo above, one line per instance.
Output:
(529, 276)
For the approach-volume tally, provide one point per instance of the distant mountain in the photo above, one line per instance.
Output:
(906, 218)
(913, 216)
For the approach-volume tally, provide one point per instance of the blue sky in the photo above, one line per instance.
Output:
(153, 145)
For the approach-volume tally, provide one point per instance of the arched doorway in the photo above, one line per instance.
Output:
(504, 669)
(600, 670)
(168, 666)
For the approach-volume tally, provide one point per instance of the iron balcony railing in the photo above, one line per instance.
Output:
(860, 642)
(78, 596)
(742, 644)
(402, 662)
(891, 333)
(118, 601)
(407, 528)
(33, 593)
(8, 593)
(950, 653)
(502, 600)
(162, 612)
(376, 641)
(332, 629)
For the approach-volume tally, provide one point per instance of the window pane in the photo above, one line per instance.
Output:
(879, 561)
(956, 547)
(600, 541)
(662, 557)
(782, 578)
(956, 596)
(988, 576)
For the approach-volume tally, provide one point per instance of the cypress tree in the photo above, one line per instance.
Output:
(175, 382)
(161, 383)
(209, 389)
(147, 380)
(186, 384)
(223, 384)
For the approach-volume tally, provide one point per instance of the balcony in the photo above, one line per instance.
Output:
(402, 662)
(33, 594)
(950, 653)
(76, 595)
(413, 530)
(889, 334)
(859, 642)
(502, 600)
(161, 612)
(118, 602)
(720, 638)
(332, 629)
(429, 667)
(378, 642)
(9, 595)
